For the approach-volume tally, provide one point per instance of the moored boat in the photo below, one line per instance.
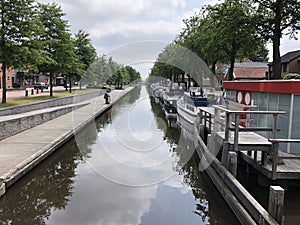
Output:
(170, 99)
(188, 106)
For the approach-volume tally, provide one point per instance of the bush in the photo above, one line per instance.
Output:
(291, 76)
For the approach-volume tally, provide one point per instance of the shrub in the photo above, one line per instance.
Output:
(291, 76)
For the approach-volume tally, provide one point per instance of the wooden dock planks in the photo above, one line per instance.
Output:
(289, 169)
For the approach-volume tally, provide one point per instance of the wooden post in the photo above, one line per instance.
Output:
(275, 147)
(275, 125)
(210, 122)
(232, 163)
(2, 187)
(225, 154)
(216, 120)
(236, 131)
(227, 124)
(276, 203)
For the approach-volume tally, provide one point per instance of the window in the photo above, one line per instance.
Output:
(284, 67)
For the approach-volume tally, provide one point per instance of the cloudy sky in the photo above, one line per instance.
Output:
(113, 24)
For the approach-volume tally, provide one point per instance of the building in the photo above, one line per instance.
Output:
(244, 71)
(10, 78)
(290, 63)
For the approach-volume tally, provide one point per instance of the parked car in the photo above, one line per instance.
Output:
(40, 85)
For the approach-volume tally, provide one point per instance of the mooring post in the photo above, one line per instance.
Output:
(276, 203)
(2, 187)
(225, 150)
(232, 163)
(216, 119)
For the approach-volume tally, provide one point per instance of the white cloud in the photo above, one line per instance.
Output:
(119, 22)
(116, 22)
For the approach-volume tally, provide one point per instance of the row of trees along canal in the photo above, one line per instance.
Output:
(233, 30)
(36, 38)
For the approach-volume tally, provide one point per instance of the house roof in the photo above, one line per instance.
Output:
(250, 72)
(225, 67)
(251, 64)
(290, 56)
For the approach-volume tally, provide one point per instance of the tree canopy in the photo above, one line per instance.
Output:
(275, 19)
(224, 33)
(57, 43)
(105, 70)
(235, 30)
(19, 25)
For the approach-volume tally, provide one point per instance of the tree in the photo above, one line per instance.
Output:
(200, 37)
(133, 74)
(276, 18)
(171, 62)
(57, 43)
(18, 27)
(117, 76)
(85, 50)
(260, 54)
(235, 27)
(224, 33)
(75, 66)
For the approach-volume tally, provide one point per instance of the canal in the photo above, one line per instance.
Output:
(128, 168)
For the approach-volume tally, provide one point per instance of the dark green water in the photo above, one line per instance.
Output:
(126, 169)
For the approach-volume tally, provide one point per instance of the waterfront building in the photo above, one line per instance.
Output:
(10, 77)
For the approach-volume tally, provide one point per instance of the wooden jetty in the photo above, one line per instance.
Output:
(261, 153)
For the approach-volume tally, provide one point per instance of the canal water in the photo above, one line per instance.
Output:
(128, 168)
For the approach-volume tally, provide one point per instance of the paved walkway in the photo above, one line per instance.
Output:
(15, 94)
(23, 151)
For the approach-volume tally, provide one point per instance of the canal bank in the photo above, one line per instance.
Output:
(23, 151)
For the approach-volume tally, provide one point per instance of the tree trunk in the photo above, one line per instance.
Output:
(2, 54)
(230, 72)
(213, 67)
(51, 84)
(276, 59)
(3, 82)
(213, 70)
(70, 82)
(276, 43)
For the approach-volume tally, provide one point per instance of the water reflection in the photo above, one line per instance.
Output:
(96, 181)
(47, 188)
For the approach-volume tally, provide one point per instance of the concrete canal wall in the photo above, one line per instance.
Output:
(20, 122)
(49, 103)
(22, 152)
